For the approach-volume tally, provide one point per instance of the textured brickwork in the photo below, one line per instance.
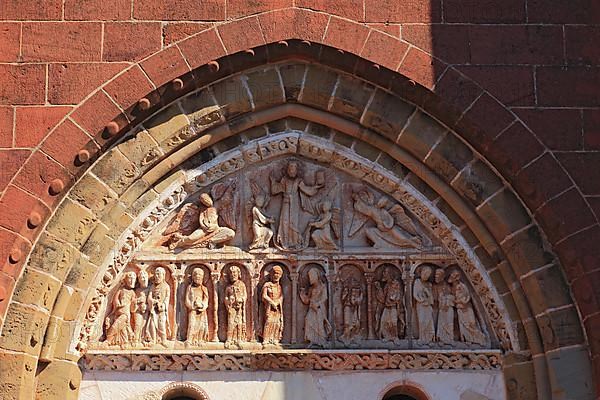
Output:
(518, 80)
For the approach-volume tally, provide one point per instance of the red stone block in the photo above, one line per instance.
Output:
(95, 113)
(202, 48)
(10, 162)
(16, 207)
(390, 29)
(131, 41)
(184, 10)
(584, 169)
(592, 326)
(568, 87)
(384, 50)
(484, 11)
(403, 11)
(22, 84)
(582, 45)
(13, 251)
(241, 34)
(129, 87)
(64, 144)
(236, 9)
(70, 83)
(513, 149)
(516, 44)
(536, 191)
(34, 123)
(449, 43)
(564, 11)
(513, 86)
(421, 67)
(104, 10)
(346, 35)
(37, 174)
(586, 291)
(580, 253)
(290, 24)
(591, 129)
(352, 9)
(558, 129)
(6, 127)
(165, 66)
(565, 215)
(456, 90)
(176, 31)
(10, 39)
(31, 9)
(61, 41)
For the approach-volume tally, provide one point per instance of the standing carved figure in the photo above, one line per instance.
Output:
(158, 302)
(352, 298)
(261, 223)
(322, 227)
(295, 194)
(316, 325)
(235, 303)
(140, 318)
(445, 322)
(208, 232)
(391, 297)
(392, 226)
(196, 301)
(272, 297)
(423, 295)
(467, 323)
(120, 332)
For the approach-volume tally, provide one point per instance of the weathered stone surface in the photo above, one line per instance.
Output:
(202, 110)
(477, 182)
(164, 126)
(292, 76)
(546, 289)
(318, 87)
(350, 97)
(526, 250)
(82, 274)
(574, 381)
(72, 222)
(420, 134)
(520, 380)
(57, 343)
(116, 220)
(93, 194)
(24, 329)
(116, 171)
(232, 96)
(134, 191)
(59, 380)
(561, 328)
(37, 288)
(265, 87)
(98, 245)
(17, 371)
(141, 203)
(503, 214)
(141, 150)
(53, 256)
(387, 114)
(448, 157)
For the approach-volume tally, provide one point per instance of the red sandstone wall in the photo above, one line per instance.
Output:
(539, 58)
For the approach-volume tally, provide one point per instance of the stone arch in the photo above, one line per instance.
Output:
(417, 95)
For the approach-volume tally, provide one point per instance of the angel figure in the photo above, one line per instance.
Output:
(321, 228)
(261, 223)
(392, 226)
(193, 228)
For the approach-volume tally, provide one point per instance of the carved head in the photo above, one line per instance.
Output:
(129, 280)
(425, 273)
(454, 277)
(388, 275)
(276, 273)
(159, 275)
(292, 169)
(313, 276)
(206, 200)
(197, 276)
(143, 279)
(260, 201)
(234, 274)
(438, 276)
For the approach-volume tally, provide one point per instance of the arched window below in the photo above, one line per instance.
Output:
(405, 392)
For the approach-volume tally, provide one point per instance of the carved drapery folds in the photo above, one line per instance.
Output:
(288, 254)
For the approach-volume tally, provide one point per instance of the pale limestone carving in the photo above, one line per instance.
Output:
(317, 327)
(390, 320)
(261, 223)
(159, 296)
(467, 323)
(235, 304)
(272, 297)
(321, 228)
(140, 318)
(196, 301)
(118, 324)
(423, 295)
(392, 226)
(281, 361)
(444, 332)
(352, 299)
(295, 196)
(208, 233)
